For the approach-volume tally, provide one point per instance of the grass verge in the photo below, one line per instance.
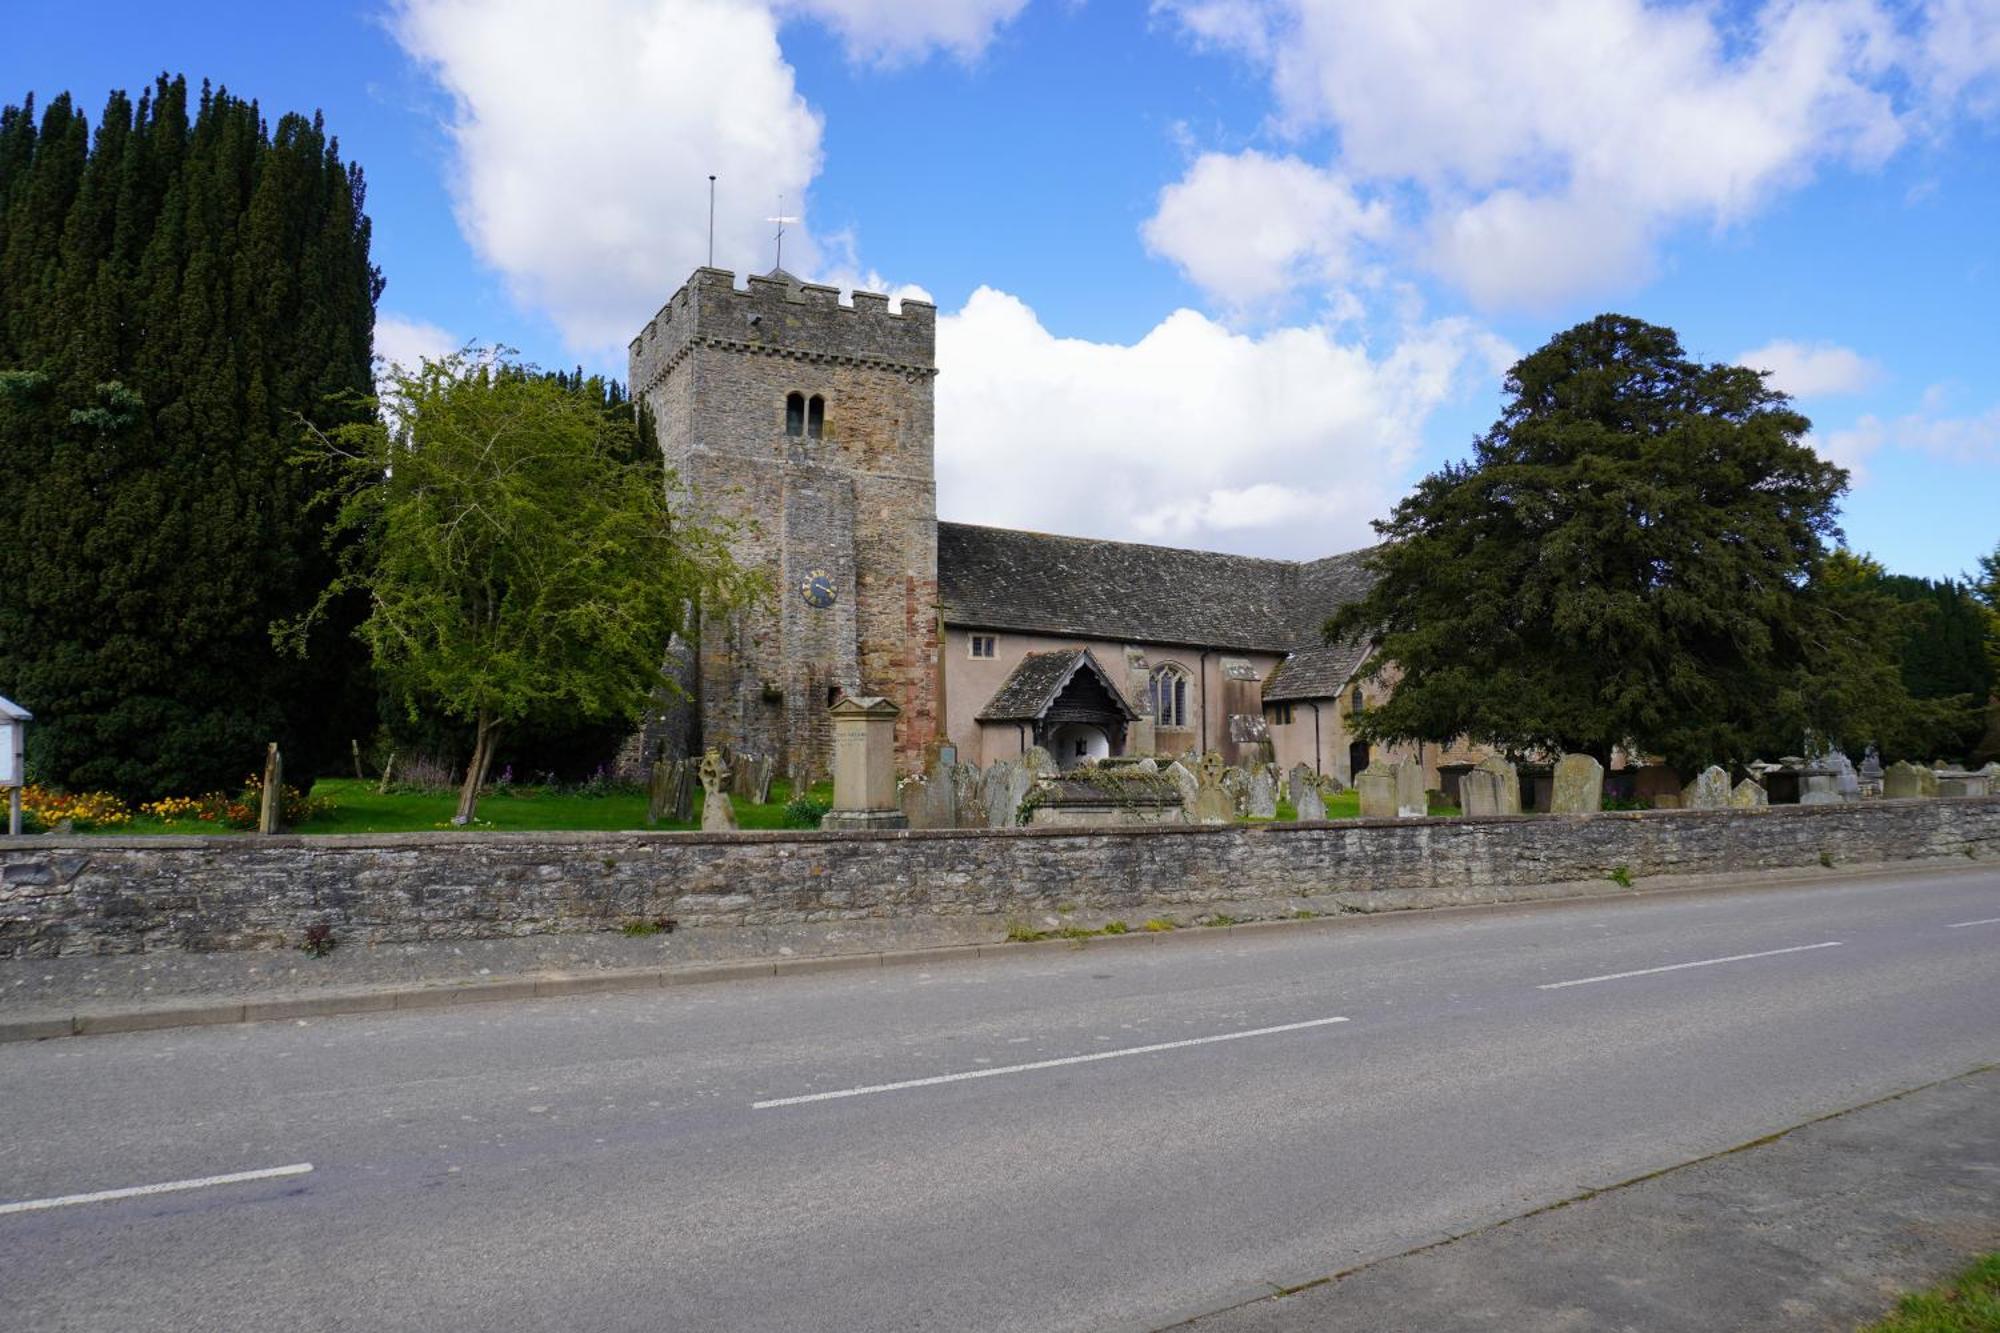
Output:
(1969, 1303)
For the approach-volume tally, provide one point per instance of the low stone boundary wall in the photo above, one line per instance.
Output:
(90, 895)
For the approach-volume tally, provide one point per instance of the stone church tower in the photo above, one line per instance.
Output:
(809, 423)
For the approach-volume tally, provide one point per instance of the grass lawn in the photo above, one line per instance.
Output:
(1969, 1303)
(359, 808)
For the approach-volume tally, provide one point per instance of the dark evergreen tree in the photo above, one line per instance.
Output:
(1635, 555)
(175, 297)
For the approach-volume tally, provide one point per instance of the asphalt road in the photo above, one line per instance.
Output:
(615, 1162)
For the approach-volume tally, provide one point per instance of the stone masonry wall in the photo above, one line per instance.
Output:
(90, 895)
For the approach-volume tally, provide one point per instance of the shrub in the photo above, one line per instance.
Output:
(805, 812)
(319, 940)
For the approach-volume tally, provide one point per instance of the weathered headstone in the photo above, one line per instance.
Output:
(1846, 778)
(969, 810)
(1260, 796)
(1005, 786)
(1412, 801)
(1299, 781)
(1509, 779)
(1479, 793)
(935, 803)
(1214, 802)
(717, 814)
(1183, 777)
(1147, 764)
(1957, 782)
(1709, 791)
(1377, 785)
(1903, 781)
(1747, 795)
(1309, 805)
(1579, 786)
(1040, 763)
(1870, 773)
(271, 816)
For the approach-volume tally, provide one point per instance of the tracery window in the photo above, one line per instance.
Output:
(1166, 695)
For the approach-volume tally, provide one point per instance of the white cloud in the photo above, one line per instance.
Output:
(1812, 370)
(1250, 227)
(586, 130)
(403, 341)
(891, 31)
(1283, 444)
(1549, 148)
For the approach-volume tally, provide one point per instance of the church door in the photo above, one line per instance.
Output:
(1357, 760)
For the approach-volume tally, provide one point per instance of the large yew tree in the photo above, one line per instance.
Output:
(1634, 555)
(178, 292)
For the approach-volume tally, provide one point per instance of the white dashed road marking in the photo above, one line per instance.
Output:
(1675, 967)
(166, 1187)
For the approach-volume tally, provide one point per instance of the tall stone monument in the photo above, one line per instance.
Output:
(864, 765)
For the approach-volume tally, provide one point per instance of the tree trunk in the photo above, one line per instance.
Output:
(483, 745)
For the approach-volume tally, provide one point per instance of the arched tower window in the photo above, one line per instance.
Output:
(815, 416)
(1166, 695)
(1357, 700)
(795, 414)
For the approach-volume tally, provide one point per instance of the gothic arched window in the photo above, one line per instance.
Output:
(1166, 695)
(1357, 700)
(815, 416)
(795, 414)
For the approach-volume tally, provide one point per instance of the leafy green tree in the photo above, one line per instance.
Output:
(520, 562)
(1635, 555)
(176, 295)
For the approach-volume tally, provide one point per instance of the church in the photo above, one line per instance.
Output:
(808, 423)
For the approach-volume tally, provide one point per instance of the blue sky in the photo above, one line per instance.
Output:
(1224, 273)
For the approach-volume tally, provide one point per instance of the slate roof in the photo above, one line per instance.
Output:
(1035, 582)
(1034, 684)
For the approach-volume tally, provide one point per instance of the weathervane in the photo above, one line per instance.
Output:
(781, 220)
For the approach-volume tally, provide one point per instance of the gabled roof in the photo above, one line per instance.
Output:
(1077, 587)
(1040, 679)
(997, 578)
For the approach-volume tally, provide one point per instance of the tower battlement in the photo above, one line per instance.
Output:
(776, 314)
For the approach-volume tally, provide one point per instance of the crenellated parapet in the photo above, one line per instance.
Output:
(776, 315)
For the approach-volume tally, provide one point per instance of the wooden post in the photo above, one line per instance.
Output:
(271, 818)
(359, 776)
(13, 812)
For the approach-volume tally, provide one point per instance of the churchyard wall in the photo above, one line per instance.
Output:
(77, 895)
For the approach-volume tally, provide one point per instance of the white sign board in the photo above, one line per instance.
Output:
(11, 736)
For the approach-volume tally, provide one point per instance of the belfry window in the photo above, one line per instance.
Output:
(1166, 695)
(795, 414)
(815, 416)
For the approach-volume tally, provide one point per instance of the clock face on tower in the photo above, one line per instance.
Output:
(817, 589)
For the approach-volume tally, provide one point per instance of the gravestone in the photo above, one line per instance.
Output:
(1509, 784)
(1479, 793)
(1412, 801)
(1040, 763)
(936, 801)
(1846, 778)
(1299, 781)
(965, 788)
(1870, 773)
(1148, 765)
(1005, 786)
(1377, 785)
(1957, 782)
(1747, 795)
(1904, 781)
(1579, 786)
(864, 765)
(1309, 805)
(1214, 803)
(717, 814)
(1234, 780)
(1709, 791)
(1260, 797)
(1183, 777)
(271, 815)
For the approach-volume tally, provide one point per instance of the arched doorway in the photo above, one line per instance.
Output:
(1077, 743)
(1357, 760)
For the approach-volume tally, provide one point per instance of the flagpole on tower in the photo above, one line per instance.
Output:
(781, 220)
(711, 220)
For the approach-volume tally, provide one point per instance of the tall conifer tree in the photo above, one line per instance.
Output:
(175, 295)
